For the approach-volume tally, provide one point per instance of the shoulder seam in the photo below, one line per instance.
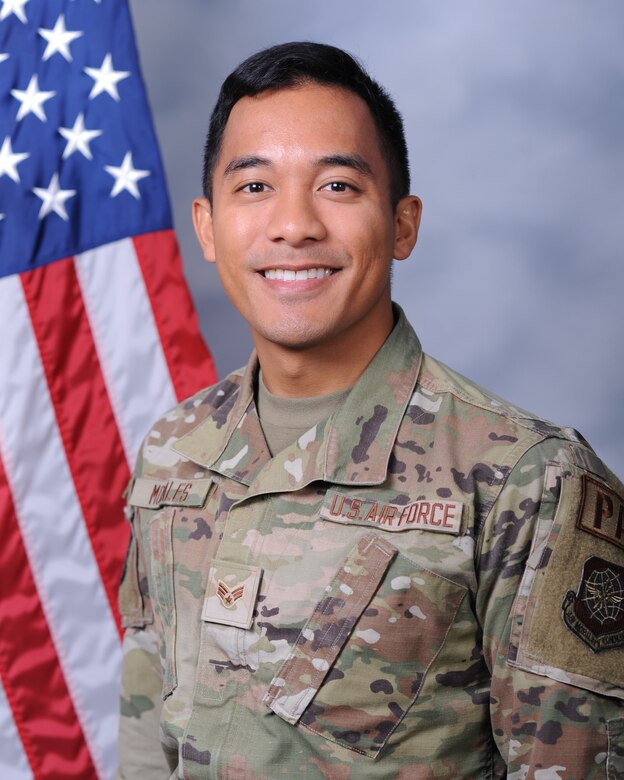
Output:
(505, 411)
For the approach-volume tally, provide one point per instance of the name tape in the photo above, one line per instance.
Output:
(154, 493)
(426, 515)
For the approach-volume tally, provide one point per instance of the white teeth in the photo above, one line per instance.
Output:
(286, 275)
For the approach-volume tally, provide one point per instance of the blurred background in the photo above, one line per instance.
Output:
(514, 114)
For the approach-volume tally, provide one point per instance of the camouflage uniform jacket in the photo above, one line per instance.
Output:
(430, 584)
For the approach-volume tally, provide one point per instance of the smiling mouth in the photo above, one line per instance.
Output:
(288, 275)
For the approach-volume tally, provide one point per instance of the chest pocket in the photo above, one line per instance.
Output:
(157, 503)
(361, 659)
(158, 532)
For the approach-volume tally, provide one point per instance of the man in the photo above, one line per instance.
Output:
(348, 561)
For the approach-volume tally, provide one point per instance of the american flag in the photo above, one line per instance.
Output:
(98, 336)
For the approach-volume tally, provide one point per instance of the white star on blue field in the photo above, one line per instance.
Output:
(515, 123)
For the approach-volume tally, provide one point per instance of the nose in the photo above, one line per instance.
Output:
(295, 219)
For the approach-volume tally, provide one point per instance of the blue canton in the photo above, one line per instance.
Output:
(79, 162)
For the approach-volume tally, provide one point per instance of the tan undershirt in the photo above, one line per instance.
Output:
(284, 420)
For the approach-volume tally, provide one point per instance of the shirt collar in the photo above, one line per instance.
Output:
(352, 447)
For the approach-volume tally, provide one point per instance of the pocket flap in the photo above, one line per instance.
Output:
(134, 611)
(329, 627)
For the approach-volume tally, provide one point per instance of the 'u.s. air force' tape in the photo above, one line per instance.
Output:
(154, 493)
(426, 515)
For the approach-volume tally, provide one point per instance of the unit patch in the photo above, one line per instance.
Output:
(154, 493)
(602, 512)
(231, 594)
(595, 613)
(426, 515)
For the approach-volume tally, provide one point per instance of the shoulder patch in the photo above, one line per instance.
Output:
(601, 512)
(568, 615)
(595, 613)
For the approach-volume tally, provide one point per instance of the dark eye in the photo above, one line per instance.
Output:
(337, 186)
(254, 187)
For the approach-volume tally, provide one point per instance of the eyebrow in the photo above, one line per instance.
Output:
(241, 163)
(355, 161)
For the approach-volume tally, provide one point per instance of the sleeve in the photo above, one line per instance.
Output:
(551, 603)
(140, 752)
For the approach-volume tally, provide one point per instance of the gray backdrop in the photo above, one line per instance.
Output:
(515, 121)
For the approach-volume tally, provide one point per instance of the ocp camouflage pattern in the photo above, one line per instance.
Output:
(378, 648)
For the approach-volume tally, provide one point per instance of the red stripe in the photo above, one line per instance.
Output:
(32, 678)
(189, 361)
(83, 411)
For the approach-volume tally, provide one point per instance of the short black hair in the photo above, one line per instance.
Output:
(298, 63)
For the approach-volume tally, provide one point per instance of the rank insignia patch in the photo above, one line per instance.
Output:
(229, 597)
(231, 593)
(595, 613)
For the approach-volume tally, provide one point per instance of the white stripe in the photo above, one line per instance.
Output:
(13, 762)
(129, 348)
(54, 533)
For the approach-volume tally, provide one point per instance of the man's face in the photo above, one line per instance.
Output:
(301, 227)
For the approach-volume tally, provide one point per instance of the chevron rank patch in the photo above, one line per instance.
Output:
(595, 613)
(231, 594)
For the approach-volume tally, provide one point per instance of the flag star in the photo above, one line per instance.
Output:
(59, 38)
(4, 56)
(106, 78)
(10, 161)
(78, 138)
(53, 198)
(14, 7)
(126, 177)
(32, 100)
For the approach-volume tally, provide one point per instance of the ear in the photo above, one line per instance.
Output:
(406, 224)
(202, 222)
